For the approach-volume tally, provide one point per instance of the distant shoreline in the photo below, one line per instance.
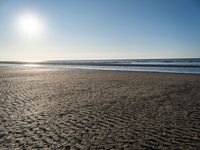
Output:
(188, 66)
(100, 60)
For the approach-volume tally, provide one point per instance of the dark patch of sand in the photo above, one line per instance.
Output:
(82, 109)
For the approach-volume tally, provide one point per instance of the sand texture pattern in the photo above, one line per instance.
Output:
(85, 109)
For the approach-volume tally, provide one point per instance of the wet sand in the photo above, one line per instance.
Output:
(87, 109)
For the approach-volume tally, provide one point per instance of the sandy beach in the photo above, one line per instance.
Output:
(87, 109)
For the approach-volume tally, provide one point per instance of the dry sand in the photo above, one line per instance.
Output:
(87, 109)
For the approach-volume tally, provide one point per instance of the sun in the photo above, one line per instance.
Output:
(30, 25)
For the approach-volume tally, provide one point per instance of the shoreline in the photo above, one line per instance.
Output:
(63, 67)
(186, 66)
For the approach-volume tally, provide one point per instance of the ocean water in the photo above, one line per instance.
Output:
(189, 66)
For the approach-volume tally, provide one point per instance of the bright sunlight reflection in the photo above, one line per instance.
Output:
(32, 65)
(30, 25)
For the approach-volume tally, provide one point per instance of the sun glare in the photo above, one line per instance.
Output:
(30, 25)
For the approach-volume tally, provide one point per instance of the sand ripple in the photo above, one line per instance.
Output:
(79, 109)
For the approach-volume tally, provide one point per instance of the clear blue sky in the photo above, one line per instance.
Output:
(102, 29)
